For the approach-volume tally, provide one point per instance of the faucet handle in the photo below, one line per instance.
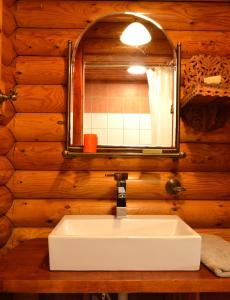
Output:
(120, 176)
(173, 186)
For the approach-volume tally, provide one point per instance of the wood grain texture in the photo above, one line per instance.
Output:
(182, 16)
(7, 137)
(9, 3)
(6, 199)
(8, 21)
(78, 92)
(38, 127)
(51, 127)
(48, 212)
(6, 170)
(5, 230)
(49, 70)
(6, 112)
(22, 234)
(220, 135)
(114, 46)
(33, 275)
(201, 42)
(96, 185)
(8, 53)
(47, 42)
(40, 98)
(53, 42)
(40, 70)
(48, 156)
(8, 77)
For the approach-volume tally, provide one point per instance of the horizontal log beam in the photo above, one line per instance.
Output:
(49, 70)
(22, 234)
(40, 70)
(51, 127)
(6, 170)
(7, 137)
(79, 14)
(48, 212)
(38, 127)
(201, 42)
(40, 98)
(6, 200)
(48, 156)
(53, 42)
(47, 42)
(5, 230)
(97, 185)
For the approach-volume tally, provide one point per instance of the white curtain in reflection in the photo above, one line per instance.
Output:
(160, 82)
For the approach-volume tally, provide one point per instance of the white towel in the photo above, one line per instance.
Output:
(215, 254)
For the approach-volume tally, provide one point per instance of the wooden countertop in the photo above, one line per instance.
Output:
(26, 269)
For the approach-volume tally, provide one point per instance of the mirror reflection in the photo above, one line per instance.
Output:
(128, 69)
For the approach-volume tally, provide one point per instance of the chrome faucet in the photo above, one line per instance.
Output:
(121, 194)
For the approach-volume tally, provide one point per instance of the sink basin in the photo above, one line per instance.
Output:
(133, 243)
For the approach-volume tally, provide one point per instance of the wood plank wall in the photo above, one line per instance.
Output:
(45, 186)
(7, 111)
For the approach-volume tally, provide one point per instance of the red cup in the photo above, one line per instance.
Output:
(90, 143)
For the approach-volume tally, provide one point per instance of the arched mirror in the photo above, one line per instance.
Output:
(123, 89)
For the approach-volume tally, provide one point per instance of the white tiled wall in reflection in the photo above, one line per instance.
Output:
(119, 129)
(145, 121)
(99, 120)
(115, 136)
(115, 121)
(131, 121)
(131, 137)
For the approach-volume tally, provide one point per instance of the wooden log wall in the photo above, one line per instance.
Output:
(7, 112)
(46, 186)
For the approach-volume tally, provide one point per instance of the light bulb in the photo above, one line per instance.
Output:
(136, 70)
(135, 34)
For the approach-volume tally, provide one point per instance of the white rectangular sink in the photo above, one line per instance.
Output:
(106, 243)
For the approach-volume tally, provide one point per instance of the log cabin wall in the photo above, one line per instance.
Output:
(46, 186)
(7, 112)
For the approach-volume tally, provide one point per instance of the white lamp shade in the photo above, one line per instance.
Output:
(135, 34)
(136, 70)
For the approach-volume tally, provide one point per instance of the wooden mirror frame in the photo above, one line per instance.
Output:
(75, 77)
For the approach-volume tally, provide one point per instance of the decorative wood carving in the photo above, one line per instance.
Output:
(200, 67)
(210, 114)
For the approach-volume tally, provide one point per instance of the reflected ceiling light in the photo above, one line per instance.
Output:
(136, 70)
(135, 34)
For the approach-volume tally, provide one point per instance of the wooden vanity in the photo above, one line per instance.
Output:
(25, 269)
